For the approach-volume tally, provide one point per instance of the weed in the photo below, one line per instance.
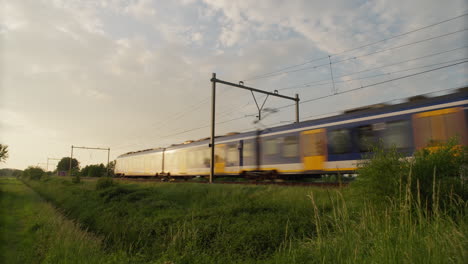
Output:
(104, 183)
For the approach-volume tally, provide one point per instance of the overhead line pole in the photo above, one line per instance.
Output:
(108, 156)
(241, 85)
(213, 114)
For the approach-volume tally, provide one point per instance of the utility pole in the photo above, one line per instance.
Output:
(71, 158)
(252, 90)
(213, 114)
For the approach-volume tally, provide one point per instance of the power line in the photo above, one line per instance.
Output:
(377, 75)
(384, 102)
(201, 127)
(377, 68)
(400, 46)
(315, 99)
(374, 84)
(265, 75)
(360, 56)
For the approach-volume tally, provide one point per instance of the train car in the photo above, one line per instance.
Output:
(327, 145)
(140, 163)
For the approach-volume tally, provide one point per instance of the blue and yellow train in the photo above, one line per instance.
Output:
(322, 146)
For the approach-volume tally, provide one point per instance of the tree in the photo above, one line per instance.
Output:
(94, 171)
(33, 173)
(64, 164)
(111, 168)
(3, 152)
(10, 172)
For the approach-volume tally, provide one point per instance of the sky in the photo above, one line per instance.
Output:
(132, 75)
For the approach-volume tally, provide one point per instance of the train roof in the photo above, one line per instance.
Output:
(412, 102)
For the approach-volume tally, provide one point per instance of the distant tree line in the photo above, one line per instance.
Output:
(93, 170)
(10, 172)
(34, 172)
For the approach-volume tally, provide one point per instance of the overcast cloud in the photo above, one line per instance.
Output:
(132, 75)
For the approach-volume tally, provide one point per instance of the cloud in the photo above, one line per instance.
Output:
(140, 9)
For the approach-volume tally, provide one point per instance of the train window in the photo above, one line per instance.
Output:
(200, 158)
(206, 157)
(232, 155)
(290, 147)
(313, 145)
(340, 141)
(397, 134)
(271, 146)
(248, 149)
(366, 138)
(191, 158)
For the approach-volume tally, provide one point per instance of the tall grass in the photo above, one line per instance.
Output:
(189, 223)
(33, 232)
(403, 231)
(398, 211)
(404, 211)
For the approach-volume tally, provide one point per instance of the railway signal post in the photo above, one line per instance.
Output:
(241, 85)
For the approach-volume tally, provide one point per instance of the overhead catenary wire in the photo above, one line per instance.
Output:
(363, 55)
(386, 101)
(265, 75)
(200, 104)
(376, 75)
(319, 98)
(362, 87)
(334, 113)
(307, 85)
(375, 68)
(374, 84)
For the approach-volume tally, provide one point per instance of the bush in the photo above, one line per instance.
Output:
(381, 174)
(94, 171)
(104, 183)
(439, 173)
(434, 174)
(33, 173)
(76, 179)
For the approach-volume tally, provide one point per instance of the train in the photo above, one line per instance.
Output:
(328, 145)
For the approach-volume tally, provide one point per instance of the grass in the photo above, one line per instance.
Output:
(412, 215)
(32, 231)
(188, 222)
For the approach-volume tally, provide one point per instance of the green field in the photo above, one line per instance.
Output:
(200, 223)
(32, 231)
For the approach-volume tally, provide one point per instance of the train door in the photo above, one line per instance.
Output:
(232, 160)
(313, 148)
(182, 165)
(219, 158)
(434, 127)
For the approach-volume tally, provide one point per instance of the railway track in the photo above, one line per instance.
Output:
(282, 183)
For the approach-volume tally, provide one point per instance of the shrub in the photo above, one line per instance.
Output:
(380, 174)
(440, 171)
(104, 183)
(436, 172)
(33, 173)
(76, 179)
(94, 170)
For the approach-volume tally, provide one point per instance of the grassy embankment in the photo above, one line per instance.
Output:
(397, 211)
(191, 223)
(197, 223)
(32, 231)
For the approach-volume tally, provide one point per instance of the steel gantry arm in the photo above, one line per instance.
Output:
(75, 147)
(241, 85)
